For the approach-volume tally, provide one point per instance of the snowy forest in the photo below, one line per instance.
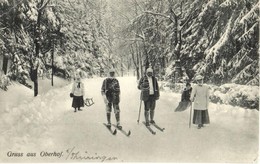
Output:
(178, 39)
(44, 43)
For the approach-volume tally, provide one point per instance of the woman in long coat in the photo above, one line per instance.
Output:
(200, 97)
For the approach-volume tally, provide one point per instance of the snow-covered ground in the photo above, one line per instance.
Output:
(47, 125)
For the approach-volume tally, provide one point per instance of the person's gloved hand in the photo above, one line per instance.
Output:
(71, 95)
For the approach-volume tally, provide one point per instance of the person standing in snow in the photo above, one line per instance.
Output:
(110, 91)
(149, 94)
(185, 98)
(186, 92)
(78, 93)
(200, 97)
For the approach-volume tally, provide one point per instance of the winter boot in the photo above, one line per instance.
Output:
(118, 126)
(108, 120)
(146, 116)
(152, 116)
(75, 110)
(118, 121)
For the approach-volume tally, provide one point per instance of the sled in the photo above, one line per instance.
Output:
(88, 101)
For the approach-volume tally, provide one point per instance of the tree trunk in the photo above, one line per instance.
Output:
(141, 64)
(138, 64)
(37, 46)
(122, 69)
(137, 73)
(5, 64)
(178, 51)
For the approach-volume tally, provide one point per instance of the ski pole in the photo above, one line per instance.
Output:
(139, 111)
(190, 114)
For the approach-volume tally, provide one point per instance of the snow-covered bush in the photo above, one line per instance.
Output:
(170, 86)
(5, 81)
(236, 95)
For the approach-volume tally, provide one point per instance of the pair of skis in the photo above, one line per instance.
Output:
(154, 125)
(114, 132)
(148, 127)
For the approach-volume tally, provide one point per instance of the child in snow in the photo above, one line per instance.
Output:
(78, 93)
(185, 99)
(186, 93)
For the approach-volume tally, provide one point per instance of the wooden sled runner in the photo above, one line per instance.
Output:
(89, 101)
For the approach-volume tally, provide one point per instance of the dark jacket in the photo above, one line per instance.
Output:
(111, 89)
(186, 94)
(144, 87)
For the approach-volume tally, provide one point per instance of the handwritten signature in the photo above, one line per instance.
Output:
(73, 154)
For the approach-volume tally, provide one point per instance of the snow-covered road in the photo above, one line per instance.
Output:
(48, 127)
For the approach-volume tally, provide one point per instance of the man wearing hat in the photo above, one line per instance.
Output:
(110, 91)
(149, 94)
(200, 97)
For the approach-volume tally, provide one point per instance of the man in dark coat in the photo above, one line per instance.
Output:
(110, 91)
(149, 94)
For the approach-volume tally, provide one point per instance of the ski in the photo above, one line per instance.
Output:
(150, 129)
(109, 128)
(158, 127)
(123, 131)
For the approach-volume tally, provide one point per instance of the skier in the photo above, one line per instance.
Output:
(149, 94)
(77, 93)
(200, 97)
(185, 98)
(110, 91)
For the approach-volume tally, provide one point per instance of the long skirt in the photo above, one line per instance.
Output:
(77, 102)
(201, 117)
